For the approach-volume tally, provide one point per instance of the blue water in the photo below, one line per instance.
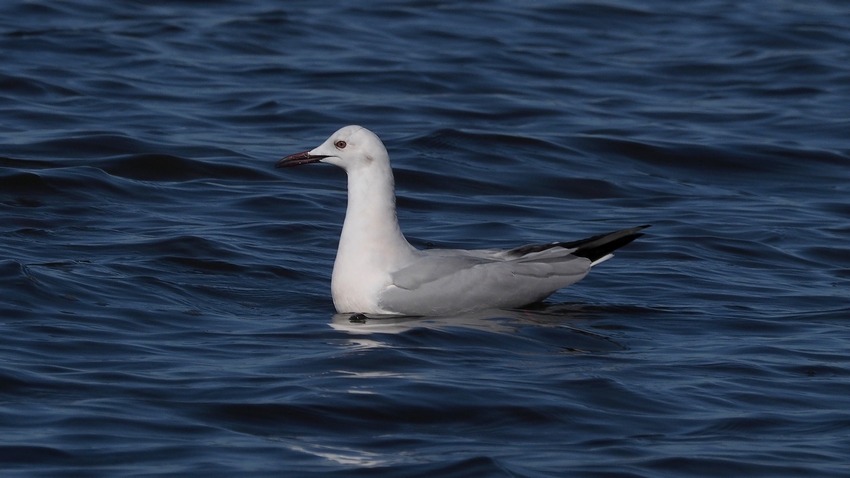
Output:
(164, 291)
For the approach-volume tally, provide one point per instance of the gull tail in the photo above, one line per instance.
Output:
(600, 248)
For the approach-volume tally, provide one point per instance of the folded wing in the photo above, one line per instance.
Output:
(437, 284)
(442, 281)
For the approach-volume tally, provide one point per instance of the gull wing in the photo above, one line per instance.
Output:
(441, 281)
(449, 281)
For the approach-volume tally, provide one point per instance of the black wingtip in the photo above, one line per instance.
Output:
(597, 247)
(593, 248)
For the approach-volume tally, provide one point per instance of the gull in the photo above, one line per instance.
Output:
(377, 271)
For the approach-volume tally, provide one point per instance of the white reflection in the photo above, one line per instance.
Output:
(492, 320)
(361, 324)
(524, 324)
(348, 457)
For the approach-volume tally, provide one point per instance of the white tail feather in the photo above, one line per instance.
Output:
(601, 259)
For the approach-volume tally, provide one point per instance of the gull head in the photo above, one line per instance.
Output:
(350, 148)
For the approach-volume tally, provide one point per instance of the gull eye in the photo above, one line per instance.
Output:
(340, 144)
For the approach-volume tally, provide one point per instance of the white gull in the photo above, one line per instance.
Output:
(378, 272)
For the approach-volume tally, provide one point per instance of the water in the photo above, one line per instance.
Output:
(164, 291)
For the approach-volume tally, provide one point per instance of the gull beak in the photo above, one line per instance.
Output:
(298, 159)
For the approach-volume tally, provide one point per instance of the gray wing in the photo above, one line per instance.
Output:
(453, 280)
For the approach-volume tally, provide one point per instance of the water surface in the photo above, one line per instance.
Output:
(164, 291)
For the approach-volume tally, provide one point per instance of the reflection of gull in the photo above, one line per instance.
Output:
(520, 323)
(486, 320)
(378, 272)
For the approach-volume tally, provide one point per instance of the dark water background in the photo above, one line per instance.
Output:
(164, 292)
